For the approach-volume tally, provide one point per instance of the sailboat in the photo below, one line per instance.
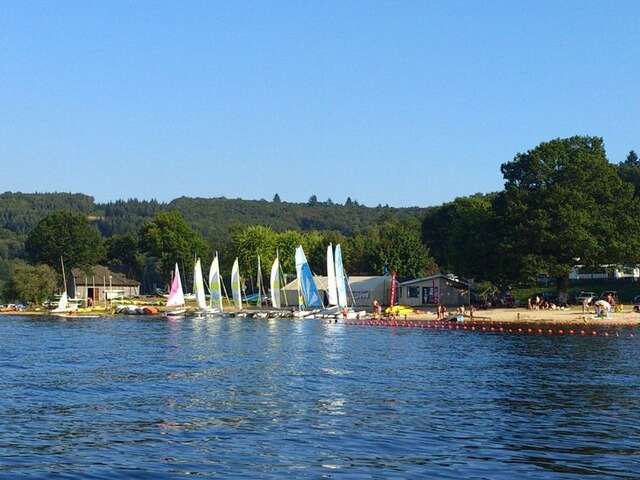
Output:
(309, 300)
(175, 301)
(332, 287)
(342, 283)
(215, 290)
(198, 290)
(274, 283)
(236, 289)
(64, 306)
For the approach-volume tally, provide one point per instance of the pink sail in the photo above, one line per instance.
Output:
(176, 295)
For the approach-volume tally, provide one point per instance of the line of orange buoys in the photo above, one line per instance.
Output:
(494, 327)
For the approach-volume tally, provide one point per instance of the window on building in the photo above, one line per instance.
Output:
(399, 292)
(413, 292)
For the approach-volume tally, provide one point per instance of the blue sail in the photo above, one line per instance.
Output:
(306, 284)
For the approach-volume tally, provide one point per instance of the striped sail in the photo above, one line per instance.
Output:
(341, 279)
(306, 285)
(332, 290)
(235, 285)
(274, 283)
(198, 286)
(215, 290)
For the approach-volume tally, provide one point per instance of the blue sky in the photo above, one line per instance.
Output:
(405, 103)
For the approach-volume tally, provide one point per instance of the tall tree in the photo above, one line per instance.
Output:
(564, 204)
(251, 241)
(68, 235)
(169, 240)
(460, 237)
(400, 249)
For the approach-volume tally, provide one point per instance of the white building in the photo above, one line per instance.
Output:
(439, 289)
(604, 272)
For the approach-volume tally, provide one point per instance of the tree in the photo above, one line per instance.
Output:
(286, 244)
(313, 200)
(357, 252)
(68, 235)
(564, 204)
(169, 240)
(315, 250)
(400, 249)
(31, 283)
(250, 242)
(276, 198)
(123, 255)
(459, 235)
(629, 171)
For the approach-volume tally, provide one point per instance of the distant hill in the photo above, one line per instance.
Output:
(213, 217)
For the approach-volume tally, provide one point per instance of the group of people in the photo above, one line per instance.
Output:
(538, 302)
(602, 307)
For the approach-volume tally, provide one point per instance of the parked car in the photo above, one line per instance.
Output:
(583, 295)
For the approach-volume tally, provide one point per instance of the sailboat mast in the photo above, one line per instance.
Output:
(284, 279)
(64, 277)
(259, 284)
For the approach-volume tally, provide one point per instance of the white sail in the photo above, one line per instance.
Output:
(176, 295)
(332, 291)
(235, 285)
(341, 279)
(274, 283)
(63, 303)
(198, 286)
(215, 289)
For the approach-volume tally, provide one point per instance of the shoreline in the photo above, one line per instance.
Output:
(570, 316)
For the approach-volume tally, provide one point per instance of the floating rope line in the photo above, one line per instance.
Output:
(495, 327)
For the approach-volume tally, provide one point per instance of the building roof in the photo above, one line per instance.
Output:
(357, 282)
(101, 274)
(449, 277)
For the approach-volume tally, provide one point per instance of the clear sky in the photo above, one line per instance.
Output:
(406, 103)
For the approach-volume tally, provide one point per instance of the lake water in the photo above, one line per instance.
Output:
(224, 398)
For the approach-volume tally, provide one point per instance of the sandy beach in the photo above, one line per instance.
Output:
(571, 315)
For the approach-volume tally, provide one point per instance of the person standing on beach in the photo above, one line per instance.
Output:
(585, 304)
(376, 308)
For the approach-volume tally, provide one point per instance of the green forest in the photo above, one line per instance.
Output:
(564, 202)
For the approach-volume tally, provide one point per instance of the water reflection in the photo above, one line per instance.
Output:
(221, 397)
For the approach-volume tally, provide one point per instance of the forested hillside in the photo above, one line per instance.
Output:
(214, 218)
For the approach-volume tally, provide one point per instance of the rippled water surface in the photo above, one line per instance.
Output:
(224, 398)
